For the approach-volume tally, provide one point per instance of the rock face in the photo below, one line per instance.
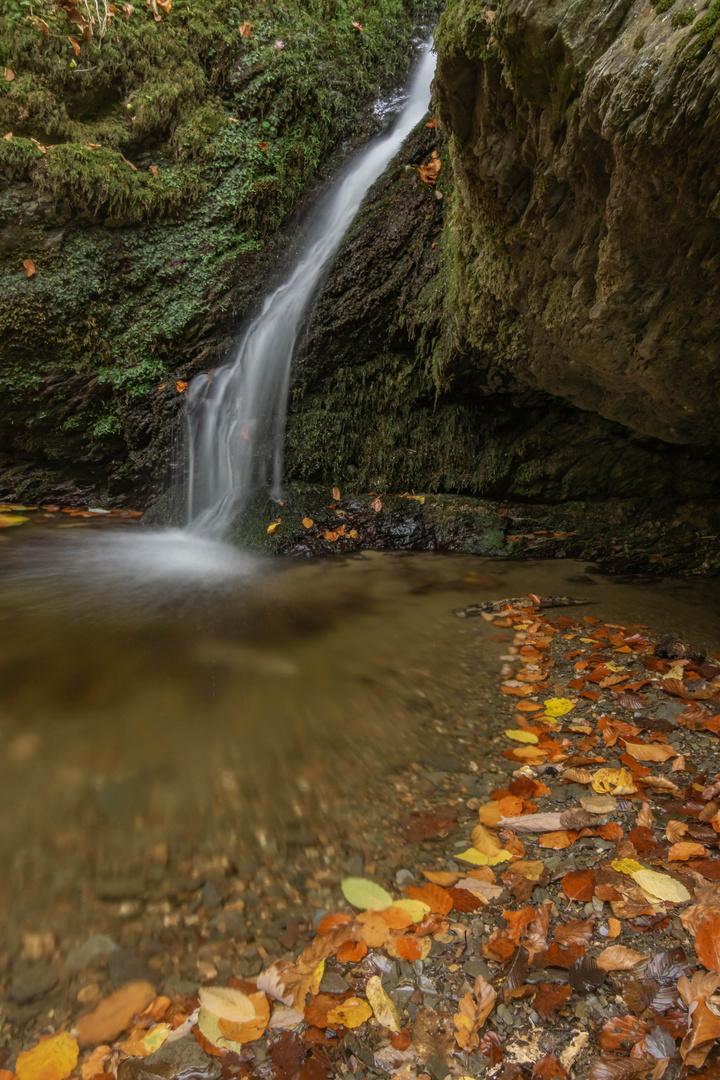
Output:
(585, 143)
(541, 324)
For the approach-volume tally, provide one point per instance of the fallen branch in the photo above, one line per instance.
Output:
(519, 602)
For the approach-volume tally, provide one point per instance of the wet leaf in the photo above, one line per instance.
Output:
(707, 940)
(585, 975)
(662, 886)
(351, 1014)
(685, 849)
(521, 735)
(364, 894)
(29, 267)
(52, 1059)
(576, 932)
(114, 1014)
(609, 1067)
(273, 527)
(558, 706)
(622, 1032)
(549, 1068)
(614, 782)
(619, 958)
(549, 996)
(438, 899)
(181, 386)
(473, 1010)
(650, 751)
(433, 1035)
(350, 952)
(579, 885)
(383, 1007)
(428, 824)
(377, 505)
(330, 535)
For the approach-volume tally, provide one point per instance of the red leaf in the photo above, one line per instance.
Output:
(549, 1068)
(622, 1032)
(550, 996)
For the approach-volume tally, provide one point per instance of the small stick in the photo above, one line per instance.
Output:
(519, 602)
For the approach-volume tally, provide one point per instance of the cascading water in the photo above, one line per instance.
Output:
(236, 421)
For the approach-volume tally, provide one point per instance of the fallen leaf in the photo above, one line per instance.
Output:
(661, 886)
(181, 386)
(53, 1058)
(618, 958)
(245, 29)
(114, 1014)
(351, 1014)
(558, 706)
(549, 996)
(473, 1010)
(585, 975)
(614, 782)
(521, 735)
(75, 45)
(579, 885)
(358, 27)
(548, 1067)
(707, 940)
(438, 899)
(365, 895)
(377, 505)
(273, 527)
(685, 849)
(308, 522)
(382, 1006)
(9, 74)
(29, 267)
(650, 751)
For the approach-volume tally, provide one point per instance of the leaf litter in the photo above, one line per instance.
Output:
(503, 967)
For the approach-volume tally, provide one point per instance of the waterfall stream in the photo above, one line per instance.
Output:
(236, 419)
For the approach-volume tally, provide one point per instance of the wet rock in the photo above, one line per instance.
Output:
(209, 896)
(179, 1060)
(125, 888)
(125, 966)
(333, 983)
(32, 983)
(95, 948)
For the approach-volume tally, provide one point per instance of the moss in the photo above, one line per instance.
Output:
(702, 36)
(560, 306)
(639, 42)
(684, 17)
(16, 158)
(661, 6)
(465, 28)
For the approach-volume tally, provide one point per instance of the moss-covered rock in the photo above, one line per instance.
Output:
(148, 179)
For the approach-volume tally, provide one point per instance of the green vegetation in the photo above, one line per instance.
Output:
(701, 38)
(684, 17)
(147, 178)
(661, 6)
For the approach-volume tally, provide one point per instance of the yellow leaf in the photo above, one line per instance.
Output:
(308, 522)
(485, 840)
(52, 1059)
(383, 1007)
(143, 1043)
(7, 520)
(661, 886)
(472, 855)
(351, 1014)
(365, 894)
(227, 1003)
(614, 782)
(273, 526)
(627, 866)
(415, 908)
(336, 494)
(558, 706)
(522, 736)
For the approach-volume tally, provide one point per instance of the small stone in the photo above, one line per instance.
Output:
(405, 877)
(210, 897)
(31, 984)
(88, 993)
(182, 1058)
(437, 1067)
(99, 945)
(124, 966)
(333, 983)
(473, 968)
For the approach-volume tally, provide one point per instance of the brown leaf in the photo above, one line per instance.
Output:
(245, 29)
(438, 899)
(549, 1068)
(9, 74)
(75, 45)
(429, 824)
(585, 975)
(575, 933)
(473, 1011)
(377, 505)
(551, 995)
(622, 1032)
(336, 494)
(433, 1035)
(609, 1067)
(707, 940)
(618, 958)
(579, 885)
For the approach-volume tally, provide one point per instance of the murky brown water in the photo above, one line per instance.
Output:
(157, 696)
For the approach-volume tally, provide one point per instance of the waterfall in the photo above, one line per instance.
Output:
(236, 419)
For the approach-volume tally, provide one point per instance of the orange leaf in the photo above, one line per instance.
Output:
(307, 523)
(245, 30)
(181, 386)
(518, 921)
(396, 917)
(408, 948)
(614, 928)
(707, 940)
(438, 899)
(399, 1040)
(473, 1011)
(650, 751)
(29, 267)
(686, 850)
(329, 922)
(331, 536)
(377, 505)
(556, 840)
(9, 74)
(611, 831)
(549, 997)
(336, 494)
(358, 27)
(528, 706)
(352, 951)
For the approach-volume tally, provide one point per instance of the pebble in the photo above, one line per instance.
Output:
(333, 983)
(96, 947)
(125, 966)
(32, 983)
(182, 1060)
